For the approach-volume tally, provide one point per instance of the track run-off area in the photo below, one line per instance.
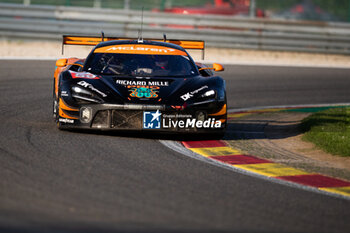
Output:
(63, 181)
(220, 153)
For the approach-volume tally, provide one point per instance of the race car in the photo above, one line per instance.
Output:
(138, 84)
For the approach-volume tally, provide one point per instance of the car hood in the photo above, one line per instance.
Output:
(146, 90)
(154, 90)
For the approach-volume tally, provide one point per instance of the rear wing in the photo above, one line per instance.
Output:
(95, 40)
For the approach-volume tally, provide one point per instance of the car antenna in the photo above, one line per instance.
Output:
(102, 36)
(140, 38)
(164, 37)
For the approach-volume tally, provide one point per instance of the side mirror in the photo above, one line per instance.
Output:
(61, 62)
(218, 67)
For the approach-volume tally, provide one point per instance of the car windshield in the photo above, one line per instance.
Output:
(141, 65)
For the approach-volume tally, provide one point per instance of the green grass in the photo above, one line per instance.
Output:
(329, 130)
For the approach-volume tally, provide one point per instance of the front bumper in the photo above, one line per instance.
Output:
(145, 118)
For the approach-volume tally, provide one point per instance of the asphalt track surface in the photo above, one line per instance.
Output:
(61, 181)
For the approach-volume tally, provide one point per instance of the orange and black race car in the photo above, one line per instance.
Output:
(148, 85)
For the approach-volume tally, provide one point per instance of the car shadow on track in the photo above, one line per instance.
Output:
(263, 129)
(154, 135)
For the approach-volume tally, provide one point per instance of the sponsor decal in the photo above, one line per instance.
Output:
(140, 49)
(85, 114)
(83, 75)
(142, 83)
(64, 93)
(91, 87)
(191, 123)
(177, 115)
(65, 120)
(192, 93)
(186, 96)
(143, 91)
(151, 120)
(134, 48)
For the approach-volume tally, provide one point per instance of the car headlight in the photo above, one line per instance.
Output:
(79, 90)
(210, 93)
(84, 96)
(206, 98)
